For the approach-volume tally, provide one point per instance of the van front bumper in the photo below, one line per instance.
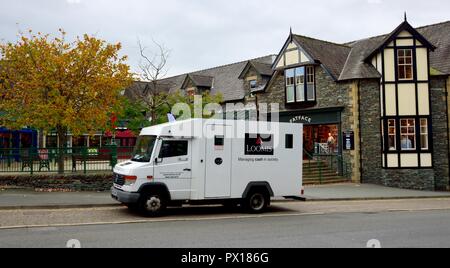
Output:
(124, 197)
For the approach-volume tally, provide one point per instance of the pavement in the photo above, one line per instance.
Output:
(352, 191)
(25, 199)
(22, 199)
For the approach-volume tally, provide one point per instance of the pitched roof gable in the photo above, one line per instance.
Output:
(405, 26)
(356, 66)
(264, 69)
(331, 55)
(200, 81)
(226, 79)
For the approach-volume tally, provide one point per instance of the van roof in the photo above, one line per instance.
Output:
(194, 127)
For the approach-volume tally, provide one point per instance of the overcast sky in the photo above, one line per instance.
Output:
(207, 33)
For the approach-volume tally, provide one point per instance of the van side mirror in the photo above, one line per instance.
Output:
(158, 160)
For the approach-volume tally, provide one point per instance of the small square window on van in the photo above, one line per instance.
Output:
(219, 140)
(289, 141)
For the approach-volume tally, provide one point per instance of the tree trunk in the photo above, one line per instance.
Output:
(62, 141)
(153, 115)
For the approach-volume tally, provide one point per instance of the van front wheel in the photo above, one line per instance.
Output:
(152, 205)
(257, 201)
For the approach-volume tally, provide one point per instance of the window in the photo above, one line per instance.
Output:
(300, 84)
(290, 87)
(190, 92)
(408, 134)
(289, 141)
(424, 134)
(219, 141)
(311, 90)
(94, 141)
(253, 84)
(405, 64)
(392, 135)
(80, 141)
(173, 149)
(144, 149)
(51, 141)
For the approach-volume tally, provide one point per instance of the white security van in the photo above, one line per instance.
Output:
(202, 161)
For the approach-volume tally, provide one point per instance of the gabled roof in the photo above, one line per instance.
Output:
(436, 34)
(331, 55)
(439, 35)
(140, 88)
(200, 81)
(405, 26)
(264, 69)
(226, 80)
(342, 61)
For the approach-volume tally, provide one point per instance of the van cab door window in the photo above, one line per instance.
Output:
(173, 149)
(174, 167)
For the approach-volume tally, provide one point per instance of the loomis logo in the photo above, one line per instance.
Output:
(258, 144)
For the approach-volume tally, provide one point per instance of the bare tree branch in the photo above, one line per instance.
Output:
(153, 69)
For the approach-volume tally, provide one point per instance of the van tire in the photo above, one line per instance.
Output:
(152, 204)
(257, 201)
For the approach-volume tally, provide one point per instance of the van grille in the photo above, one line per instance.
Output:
(119, 179)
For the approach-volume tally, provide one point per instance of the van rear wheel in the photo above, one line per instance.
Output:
(257, 201)
(153, 204)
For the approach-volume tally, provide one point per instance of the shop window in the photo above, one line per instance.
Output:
(408, 134)
(405, 64)
(424, 134)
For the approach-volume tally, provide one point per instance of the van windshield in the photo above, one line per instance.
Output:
(144, 148)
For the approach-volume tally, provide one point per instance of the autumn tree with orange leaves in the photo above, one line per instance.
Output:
(54, 85)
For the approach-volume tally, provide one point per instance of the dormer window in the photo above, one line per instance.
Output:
(190, 92)
(253, 84)
(405, 64)
(300, 84)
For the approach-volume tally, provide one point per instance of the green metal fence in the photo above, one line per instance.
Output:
(69, 160)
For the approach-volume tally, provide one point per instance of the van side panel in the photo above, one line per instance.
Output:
(282, 170)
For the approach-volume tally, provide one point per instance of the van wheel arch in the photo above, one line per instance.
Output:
(258, 185)
(256, 197)
(154, 199)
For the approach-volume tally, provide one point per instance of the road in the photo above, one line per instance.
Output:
(396, 223)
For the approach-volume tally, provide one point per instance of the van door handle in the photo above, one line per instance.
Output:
(183, 159)
(187, 169)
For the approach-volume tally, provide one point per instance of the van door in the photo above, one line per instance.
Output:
(218, 163)
(173, 167)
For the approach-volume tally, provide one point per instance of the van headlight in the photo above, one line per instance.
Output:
(130, 180)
